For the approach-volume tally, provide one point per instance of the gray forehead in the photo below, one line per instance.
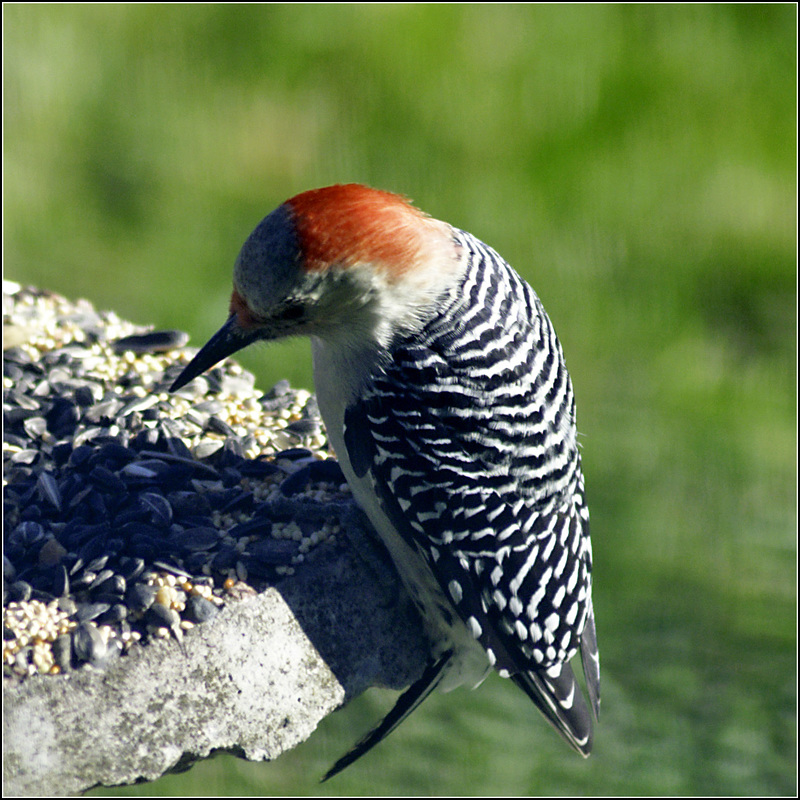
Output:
(270, 257)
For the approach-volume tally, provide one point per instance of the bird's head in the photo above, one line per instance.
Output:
(347, 264)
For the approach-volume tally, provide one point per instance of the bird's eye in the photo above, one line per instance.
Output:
(291, 311)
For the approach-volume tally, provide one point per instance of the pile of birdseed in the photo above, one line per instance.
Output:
(130, 512)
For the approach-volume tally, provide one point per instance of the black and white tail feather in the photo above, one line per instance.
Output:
(558, 697)
(556, 694)
(405, 705)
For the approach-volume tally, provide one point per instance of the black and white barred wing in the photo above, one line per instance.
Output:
(518, 575)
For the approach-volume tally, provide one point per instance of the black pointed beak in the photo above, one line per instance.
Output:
(225, 342)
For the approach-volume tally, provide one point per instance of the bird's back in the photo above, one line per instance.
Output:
(464, 443)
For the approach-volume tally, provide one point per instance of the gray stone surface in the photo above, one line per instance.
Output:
(255, 681)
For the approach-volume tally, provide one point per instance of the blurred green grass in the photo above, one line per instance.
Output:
(636, 164)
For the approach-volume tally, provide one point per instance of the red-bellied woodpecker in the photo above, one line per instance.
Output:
(446, 398)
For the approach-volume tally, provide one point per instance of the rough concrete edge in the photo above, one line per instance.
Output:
(255, 681)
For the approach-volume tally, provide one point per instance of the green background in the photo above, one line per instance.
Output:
(636, 164)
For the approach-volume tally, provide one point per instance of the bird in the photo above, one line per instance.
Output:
(447, 401)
